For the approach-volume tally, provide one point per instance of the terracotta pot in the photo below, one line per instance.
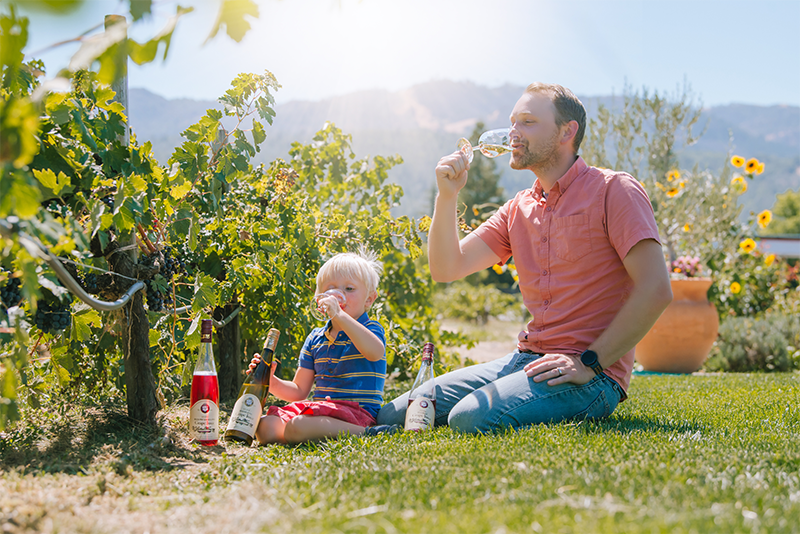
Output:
(680, 340)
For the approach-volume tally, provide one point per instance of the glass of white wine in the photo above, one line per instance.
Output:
(318, 311)
(491, 144)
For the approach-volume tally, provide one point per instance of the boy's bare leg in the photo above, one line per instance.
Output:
(313, 428)
(270, 430)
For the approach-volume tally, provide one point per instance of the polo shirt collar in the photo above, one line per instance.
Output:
(363, 319)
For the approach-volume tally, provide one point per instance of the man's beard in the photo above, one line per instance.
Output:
(542, 157)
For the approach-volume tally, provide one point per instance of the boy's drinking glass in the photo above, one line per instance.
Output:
(317, 311)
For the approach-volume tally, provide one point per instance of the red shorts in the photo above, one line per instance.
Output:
(347, 411)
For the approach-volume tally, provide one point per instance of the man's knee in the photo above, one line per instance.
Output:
(466, 421)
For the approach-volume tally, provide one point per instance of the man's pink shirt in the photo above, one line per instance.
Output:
(568, 250)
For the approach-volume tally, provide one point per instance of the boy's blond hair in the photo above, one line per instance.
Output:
(363, 266)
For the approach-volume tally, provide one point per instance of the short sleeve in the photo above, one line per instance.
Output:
(306, 360)
(629, 214)
(494, 231)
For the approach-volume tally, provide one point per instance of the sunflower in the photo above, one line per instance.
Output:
(760, 167)
(497, 268)
(769, 259)
(751, 166)
(747, 246)
(737, 161)
(739, 185)
(687, 227)
(735, 287)
(673, 192)
(764, 218)
(673, 175)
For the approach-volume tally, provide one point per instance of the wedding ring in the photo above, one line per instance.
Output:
(560, 372)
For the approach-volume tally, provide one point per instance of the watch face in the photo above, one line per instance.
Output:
(589, 357)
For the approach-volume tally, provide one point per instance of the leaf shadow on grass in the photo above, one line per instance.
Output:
(105, 438)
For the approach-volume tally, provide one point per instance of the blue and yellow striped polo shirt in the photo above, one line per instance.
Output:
(341, 372)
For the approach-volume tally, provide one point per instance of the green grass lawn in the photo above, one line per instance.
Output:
(685, 454)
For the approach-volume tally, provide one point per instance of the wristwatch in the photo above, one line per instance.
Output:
(589, 359)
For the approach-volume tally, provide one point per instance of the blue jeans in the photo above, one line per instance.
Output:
(497, 395)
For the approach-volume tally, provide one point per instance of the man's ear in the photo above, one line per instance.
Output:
(569, 131)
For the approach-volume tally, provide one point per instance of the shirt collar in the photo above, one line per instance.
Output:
(363, 319)
(563, 183)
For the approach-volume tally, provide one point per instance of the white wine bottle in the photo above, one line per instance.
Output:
(247, 410)
(204, 400)
(421, 410)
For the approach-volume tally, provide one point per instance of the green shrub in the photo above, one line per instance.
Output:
(476, 303)
(770, 343)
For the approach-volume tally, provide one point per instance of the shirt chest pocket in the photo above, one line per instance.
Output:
(572, 237)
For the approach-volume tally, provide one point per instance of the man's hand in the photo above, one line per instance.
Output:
(559, 369)
(451, 173)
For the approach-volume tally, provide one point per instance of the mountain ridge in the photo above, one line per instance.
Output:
(423, 122)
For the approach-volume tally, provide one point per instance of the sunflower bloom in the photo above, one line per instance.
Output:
(751, 165)
(735, 287)
(673, 175)
(747, 246)
(687, 227)
(764, 218)
(739, 185)
(497, 268)
(661, 186)
(673, 192)
(769, 259)
(737, 161)
(760, 167)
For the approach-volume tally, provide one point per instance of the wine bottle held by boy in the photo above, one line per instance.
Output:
(204, 400)
(247, 410)
(422, 397)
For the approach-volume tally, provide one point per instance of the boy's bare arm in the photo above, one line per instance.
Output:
(367, 343)
(296, 390)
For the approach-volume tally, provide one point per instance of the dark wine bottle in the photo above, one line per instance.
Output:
(247, 410)
(421, 410)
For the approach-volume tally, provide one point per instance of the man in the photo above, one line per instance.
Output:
(591, 272)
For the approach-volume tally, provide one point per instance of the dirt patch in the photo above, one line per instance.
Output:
(496, 339)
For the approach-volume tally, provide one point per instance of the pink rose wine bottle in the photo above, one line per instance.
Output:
(204, 410)
(422, 397)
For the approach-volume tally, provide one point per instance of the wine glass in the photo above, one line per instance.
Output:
(318, 312)
(491, 144)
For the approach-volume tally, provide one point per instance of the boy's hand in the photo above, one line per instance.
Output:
(256, 360)
(253, 363)
(330, 304)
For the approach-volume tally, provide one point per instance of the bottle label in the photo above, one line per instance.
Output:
(420, 414)
(204, 420)
(245, 415)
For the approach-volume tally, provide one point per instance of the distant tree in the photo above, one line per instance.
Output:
(482, 194)
(785, 214)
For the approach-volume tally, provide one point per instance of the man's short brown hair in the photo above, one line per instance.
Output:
(568, 107)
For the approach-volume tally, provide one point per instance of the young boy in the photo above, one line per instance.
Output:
(345, 360)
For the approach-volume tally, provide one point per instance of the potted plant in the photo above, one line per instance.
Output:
(697, 212)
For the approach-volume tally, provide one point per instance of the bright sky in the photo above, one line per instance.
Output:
(729, 51)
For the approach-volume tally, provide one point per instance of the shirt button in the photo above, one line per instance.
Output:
(546, 302)
(549, 208)
(544, 273)
(544, 240)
